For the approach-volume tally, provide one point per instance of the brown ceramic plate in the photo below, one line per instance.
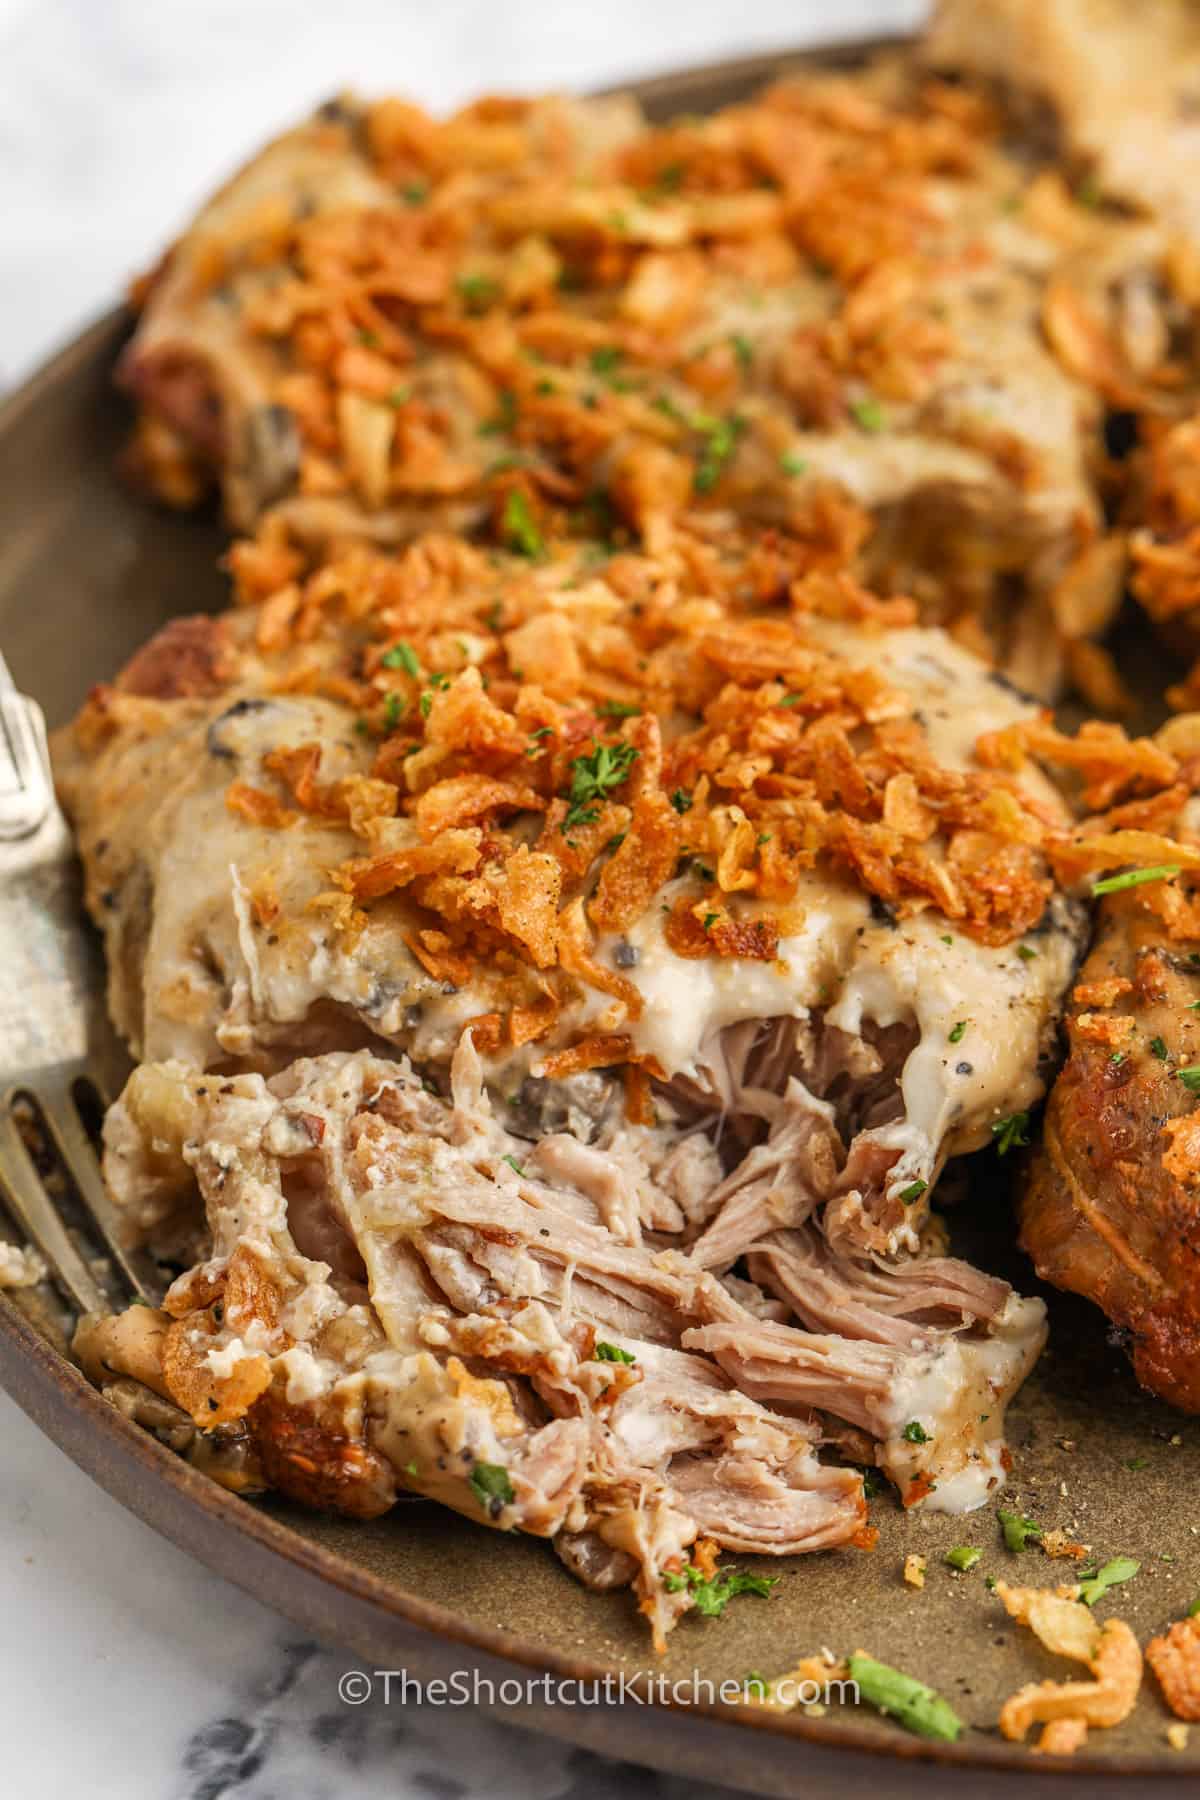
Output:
(85, 573)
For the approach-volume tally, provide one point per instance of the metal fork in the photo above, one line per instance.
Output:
(56, 1046)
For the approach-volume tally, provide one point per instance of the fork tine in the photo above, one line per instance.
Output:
(32, 1208)
(61, 1115)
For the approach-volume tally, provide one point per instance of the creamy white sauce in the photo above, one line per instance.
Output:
(19, 1267)
(956, 1396)
(686, 1000)
(306, 1380)
(837, 956)
(983, 1014)
(224, 1358)
(878, 470)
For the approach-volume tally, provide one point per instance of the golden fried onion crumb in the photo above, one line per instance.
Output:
(1067, 1708)
(1175, 1660)
(914, 1570)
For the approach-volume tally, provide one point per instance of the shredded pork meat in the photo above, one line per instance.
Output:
(477, 1332)
(481, 1337)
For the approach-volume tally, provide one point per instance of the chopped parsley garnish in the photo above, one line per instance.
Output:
(477, 292)
(490, 1484)
(722, 436)
(711, 1594)
(416, 193)
(1010, 1133)
(917, 1707)
(755, 1684)
(1158, 1048)
(913, 1191)
(1095, 1585)
(958, 1032)
(604, 360)
(410, 1468)
(503, 464)
(664, 404)
(513, 1164)
(681, 800)
(535, 739)
(1190, 1078)
(613, 1353)
(393, 711)
(793, 464)
(618, 709)
(1193, 1610)
(963, 1557)
(869, 415)
(504, 419)
(1118, 1056)
(519, 526)
(1026, 953)
(915, 1433)
(401, 656)
(1019, 1532)
(743, 349)
(399, 396)
(593, 777)
(947, 937)
(669, 179)
(1138, 1462)
(710, 920)
(1113, 884)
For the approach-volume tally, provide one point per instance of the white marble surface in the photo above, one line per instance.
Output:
(118, 115)
(131, 1673)
(128, 1670)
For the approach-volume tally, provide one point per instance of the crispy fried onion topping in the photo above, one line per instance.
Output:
(1066, 1709)
(1175, 1660)
(553, 750)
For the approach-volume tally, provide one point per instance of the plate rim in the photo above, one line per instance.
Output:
(63, 1404)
